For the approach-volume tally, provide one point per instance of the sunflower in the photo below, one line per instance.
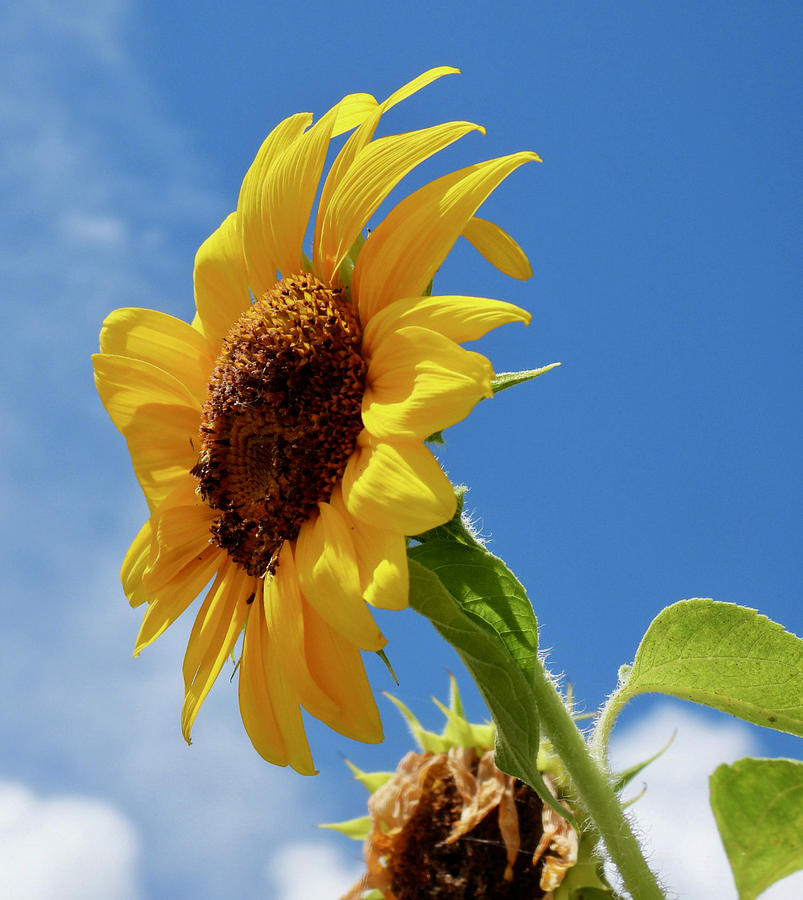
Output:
(279, 437)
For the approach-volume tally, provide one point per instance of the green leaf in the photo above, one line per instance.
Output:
(489, 592)
(758, 805)
(724, 656)
(503, 380)
(501, 681)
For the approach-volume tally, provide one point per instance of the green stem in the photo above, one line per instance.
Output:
(604, 724)
(594, 790)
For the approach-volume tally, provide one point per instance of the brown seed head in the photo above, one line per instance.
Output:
(281, 418)
(453, 826)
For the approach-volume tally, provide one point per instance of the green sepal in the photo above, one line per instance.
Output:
(502, 380)
(356, 829)
(372, 781)
(426, 740)
(758, 805)
(460, 733)
(346, 268)
(623, 778)
(383, 656)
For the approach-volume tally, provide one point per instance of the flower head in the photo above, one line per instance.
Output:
(448, 823)
(279, 437)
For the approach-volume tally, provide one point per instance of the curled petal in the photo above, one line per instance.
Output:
(399, 487)
(336, 662)
(221, 285)
(401, 256)
(135, 563)
(161, 340)
(329, 578)
(181, 534)
(169, 601)
(126, 385)
(420, 382)
(498, 247)
(284, 610)
(291, 181)
(217, 626)
(162, 440)
(456, 317)
(270, 711)
(375, 171)
(348, 153)
(381, 560)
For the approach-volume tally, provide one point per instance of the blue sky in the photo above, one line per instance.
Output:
(660, 462)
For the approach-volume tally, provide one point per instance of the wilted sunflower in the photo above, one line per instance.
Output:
(279, 438)
(449, 824)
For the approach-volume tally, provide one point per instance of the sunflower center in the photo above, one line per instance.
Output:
(281, 418)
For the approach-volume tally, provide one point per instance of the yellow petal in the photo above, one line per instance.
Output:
(397, 487)
(455, 317)
(221, 286)
(402, 254)
(125, 385)
(336, 664)
(181, 525)
(214, 633)
(352, 111)
(420, 382)
(417, 83)
(161, 340)
(135, 563)
(163, 443)
(365, 132)
(290, 185)
(498, 247)
(169, 602)
(270, 714)
(285, 615)
(381, 560)
(330, 580)
(376, 170)
(254, 214)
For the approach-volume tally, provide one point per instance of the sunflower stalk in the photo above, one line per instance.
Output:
(478, 605)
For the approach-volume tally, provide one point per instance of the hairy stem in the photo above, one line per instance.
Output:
(595, 791)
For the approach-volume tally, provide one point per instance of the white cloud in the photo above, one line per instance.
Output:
(70, 847)
(87, 228)
(673, 817)
(304, 870)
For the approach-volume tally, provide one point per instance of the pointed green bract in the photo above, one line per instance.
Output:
(503, 380)
(356, 829)
(724, 656)
(496, 671)
(623, 778)
(371, 781)
(758, 805)
(426, 740)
